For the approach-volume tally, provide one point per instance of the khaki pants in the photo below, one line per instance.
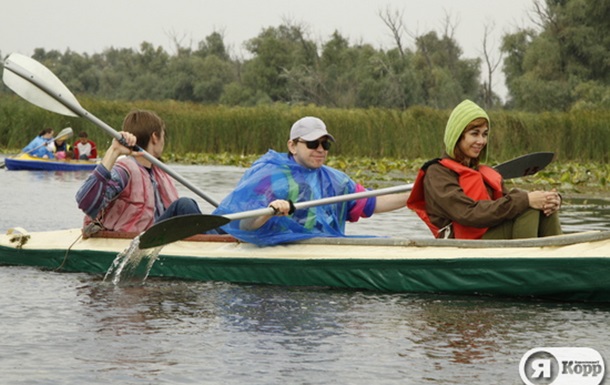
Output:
(531, 224)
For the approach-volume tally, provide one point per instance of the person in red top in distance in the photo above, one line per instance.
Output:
(84, 149)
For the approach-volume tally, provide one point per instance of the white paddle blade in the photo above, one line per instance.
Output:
(28, 87)
(65, 134)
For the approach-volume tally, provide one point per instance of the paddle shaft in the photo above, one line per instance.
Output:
(77, 109)
(180, 227)
(323, 201)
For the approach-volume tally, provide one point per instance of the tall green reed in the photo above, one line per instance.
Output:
(414, 133)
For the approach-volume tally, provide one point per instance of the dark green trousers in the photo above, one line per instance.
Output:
(531, 224)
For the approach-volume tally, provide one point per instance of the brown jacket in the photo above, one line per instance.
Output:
(446, 202)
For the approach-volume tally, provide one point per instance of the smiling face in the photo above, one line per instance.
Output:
(306, 157)
(473, 141)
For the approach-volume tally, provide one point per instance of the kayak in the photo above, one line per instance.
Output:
(572, 267)
(27, 162)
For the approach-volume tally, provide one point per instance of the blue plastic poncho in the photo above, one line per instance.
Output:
(278, 176)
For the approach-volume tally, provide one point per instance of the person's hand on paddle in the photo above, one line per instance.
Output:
(117, 149)
(126, 148)
(282, 207)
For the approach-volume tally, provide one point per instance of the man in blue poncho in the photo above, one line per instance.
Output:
(277, 179)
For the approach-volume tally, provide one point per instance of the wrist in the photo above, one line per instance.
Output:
(110, 157)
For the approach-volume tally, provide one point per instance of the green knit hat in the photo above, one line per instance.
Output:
(460, 117)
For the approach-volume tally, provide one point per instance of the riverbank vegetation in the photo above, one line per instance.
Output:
(560, 64)
(379, 147)
(413, 133)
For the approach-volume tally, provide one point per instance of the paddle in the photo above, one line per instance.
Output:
(38, 85)
(524, 165)
(180, 227)
(63, 135)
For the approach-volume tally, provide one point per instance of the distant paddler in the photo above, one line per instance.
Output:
(41, 146)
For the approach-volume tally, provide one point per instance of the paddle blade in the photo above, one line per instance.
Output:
(525, 165)
(180, 227)
(65, 134)
(37, 84)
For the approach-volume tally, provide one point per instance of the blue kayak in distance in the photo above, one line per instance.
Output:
(27, 162)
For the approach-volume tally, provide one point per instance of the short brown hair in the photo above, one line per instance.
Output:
(45, 131)
(143, 123)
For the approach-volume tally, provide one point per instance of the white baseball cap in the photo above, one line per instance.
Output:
(309, 128)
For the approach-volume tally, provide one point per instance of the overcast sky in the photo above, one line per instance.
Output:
(92, 26)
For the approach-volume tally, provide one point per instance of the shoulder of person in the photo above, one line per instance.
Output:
(435, 168)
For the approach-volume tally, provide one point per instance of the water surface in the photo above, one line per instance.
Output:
(59, 328)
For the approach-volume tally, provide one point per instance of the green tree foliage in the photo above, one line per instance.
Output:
(446, 78)
(566, 64)
(277, 52)
(213, 46)
(285, 66)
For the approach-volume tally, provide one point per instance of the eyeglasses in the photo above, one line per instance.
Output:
(314, 144)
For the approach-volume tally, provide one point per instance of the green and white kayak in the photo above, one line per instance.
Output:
(572, 267)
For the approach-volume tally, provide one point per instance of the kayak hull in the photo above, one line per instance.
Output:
(568, 268)
(30, 163)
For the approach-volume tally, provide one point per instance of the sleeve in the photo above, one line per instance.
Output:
(76, 152)
(93, 153)
(101, 188)
(30, 146)
(445, 199)
(361, 208)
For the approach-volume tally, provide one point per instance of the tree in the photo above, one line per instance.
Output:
(213, 45)
(276, 52)
(446, 78)
(214, 74)
(546, 69)
(489, 97)
(393, 19)
(434, 73)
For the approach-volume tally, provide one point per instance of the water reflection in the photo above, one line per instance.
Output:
(470, 337)
(142, 332)
(469, 333)
(117, 309)
(585, 215)
(82, 330)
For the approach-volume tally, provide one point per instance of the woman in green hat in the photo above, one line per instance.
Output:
(457, 197)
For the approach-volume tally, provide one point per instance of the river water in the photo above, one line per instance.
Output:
(59, 328)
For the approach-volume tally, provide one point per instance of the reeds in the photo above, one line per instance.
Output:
(414, 133)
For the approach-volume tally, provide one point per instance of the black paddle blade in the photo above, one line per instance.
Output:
(180, 227)
(525, 165)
